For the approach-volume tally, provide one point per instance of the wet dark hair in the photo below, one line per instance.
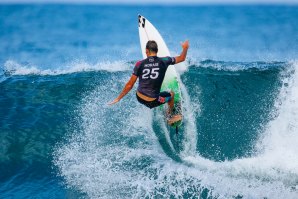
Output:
(152, 46)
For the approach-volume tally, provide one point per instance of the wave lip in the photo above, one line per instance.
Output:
(14, 68)
(237, 66)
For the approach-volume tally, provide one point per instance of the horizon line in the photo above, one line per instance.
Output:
(164, 3)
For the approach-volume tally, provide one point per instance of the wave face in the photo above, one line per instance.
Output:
(61, 64)
(240, 120)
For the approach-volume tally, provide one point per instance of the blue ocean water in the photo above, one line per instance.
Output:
(61, 64)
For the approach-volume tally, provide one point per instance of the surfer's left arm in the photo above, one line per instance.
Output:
(128, 86)
(182, 56)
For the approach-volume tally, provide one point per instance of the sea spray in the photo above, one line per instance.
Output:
(279, 142)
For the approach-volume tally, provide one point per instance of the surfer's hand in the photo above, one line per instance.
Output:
(185, 45)
(114, 102)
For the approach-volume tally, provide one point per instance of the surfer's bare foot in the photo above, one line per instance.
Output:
(174, 118)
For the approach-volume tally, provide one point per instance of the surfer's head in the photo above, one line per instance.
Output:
(151, 46)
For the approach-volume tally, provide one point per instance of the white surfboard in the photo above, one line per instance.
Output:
(148, 32)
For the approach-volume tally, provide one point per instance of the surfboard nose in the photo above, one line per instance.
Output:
(141, 20)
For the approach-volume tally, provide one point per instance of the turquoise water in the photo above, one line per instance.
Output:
(61, 64)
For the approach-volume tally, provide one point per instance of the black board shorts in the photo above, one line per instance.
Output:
(163, 98)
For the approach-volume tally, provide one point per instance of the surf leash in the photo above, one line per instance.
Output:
(177, 130)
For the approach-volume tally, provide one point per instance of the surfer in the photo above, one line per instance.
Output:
(151, 72)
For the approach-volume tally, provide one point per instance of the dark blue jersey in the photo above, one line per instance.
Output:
(151, 72)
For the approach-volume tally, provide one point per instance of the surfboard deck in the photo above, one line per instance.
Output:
(170, 83)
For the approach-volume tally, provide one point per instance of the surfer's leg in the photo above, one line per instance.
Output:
(171, 104)
(166, 97)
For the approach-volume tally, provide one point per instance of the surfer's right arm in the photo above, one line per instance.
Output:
(128, 86)
(182, 56)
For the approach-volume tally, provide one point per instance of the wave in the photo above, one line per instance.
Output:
(235, 109)
(240, 124)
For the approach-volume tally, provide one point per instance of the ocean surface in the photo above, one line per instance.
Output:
(61, 64)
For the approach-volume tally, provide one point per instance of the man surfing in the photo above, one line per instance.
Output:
(151, 72)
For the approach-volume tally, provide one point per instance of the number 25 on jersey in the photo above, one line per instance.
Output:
(150, 73)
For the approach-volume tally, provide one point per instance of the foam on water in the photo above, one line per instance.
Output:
(14, 68)
(99, 154)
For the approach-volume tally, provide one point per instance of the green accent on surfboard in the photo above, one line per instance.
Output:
(171, 84)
